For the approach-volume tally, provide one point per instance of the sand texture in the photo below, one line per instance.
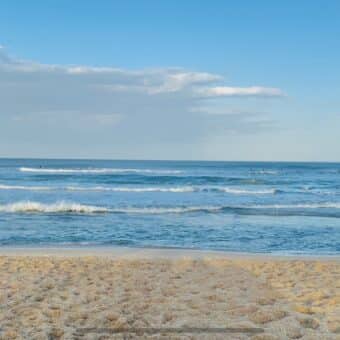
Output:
(56, 297)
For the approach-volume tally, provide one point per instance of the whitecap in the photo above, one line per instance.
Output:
(97, 171)
(22, 187)
(324, 205)
(238, 191)
(167, 210)
(133, 189)
(267, 172)
(58, 207)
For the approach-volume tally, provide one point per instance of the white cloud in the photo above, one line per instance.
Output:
(156, 81)
(253, 91)
(182, 80)
(120, 108)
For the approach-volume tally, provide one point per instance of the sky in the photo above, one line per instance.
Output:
(191, 80)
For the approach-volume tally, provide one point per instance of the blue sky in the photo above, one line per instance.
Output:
(229, 80)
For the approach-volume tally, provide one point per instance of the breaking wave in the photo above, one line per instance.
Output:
(174, 189)
(267, 172)
(166, 210)
(69, 207)
(130, 189)
(97, 171)
(270, 210)
(178, 189)
(215, 209)
(324, 205)
(22, 187)
(249, 192)
(59, 207)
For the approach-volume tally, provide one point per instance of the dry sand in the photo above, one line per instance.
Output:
(55, 294)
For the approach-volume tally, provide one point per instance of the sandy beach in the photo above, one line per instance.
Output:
(123, 293)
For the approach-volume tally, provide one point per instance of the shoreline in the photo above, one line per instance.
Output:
(116, 252)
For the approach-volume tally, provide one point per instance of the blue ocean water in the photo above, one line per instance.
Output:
(289, 208)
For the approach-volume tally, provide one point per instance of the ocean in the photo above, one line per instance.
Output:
(255, 207)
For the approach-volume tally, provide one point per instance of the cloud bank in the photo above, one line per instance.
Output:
(118, 111)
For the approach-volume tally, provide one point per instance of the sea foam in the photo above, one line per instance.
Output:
(176, 189)
(58, 207)
(133, 189)
(322, 205)
(22, 187)
(267, 172)
(238, 191)
(166, 210)
(70, 207)
(97, 171)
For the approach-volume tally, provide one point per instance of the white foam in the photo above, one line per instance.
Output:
(178, 189)
(132, 189)
(212, 209)
(167, 210)
(58, 207)
(69, 207)
(21, 187)
(97, 171)
(248, 192)
(324, 205)
(267, 172)
(183, 189)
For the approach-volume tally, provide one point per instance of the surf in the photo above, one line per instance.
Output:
(58, 207)
(96, 171)
(22, 187)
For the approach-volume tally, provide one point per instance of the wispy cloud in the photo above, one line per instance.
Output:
(123, 106)
(154, 81)
(252, 91)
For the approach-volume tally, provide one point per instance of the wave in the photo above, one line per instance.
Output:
(130, 189)
(69, 207)
(77, 208)
(59, 207)
(22, 187)
(166, 210)
(97, 171)
(315, 190)
(267, 172)
(212, 209)
(248, 192)
(324, 205)
(100, 188)
(316, 210)
(178, 189)
(174, 189)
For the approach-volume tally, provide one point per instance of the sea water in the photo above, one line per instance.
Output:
(283, 208)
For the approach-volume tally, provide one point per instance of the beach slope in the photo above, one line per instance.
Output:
(102, 295)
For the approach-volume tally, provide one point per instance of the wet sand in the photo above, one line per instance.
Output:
(57, 293)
